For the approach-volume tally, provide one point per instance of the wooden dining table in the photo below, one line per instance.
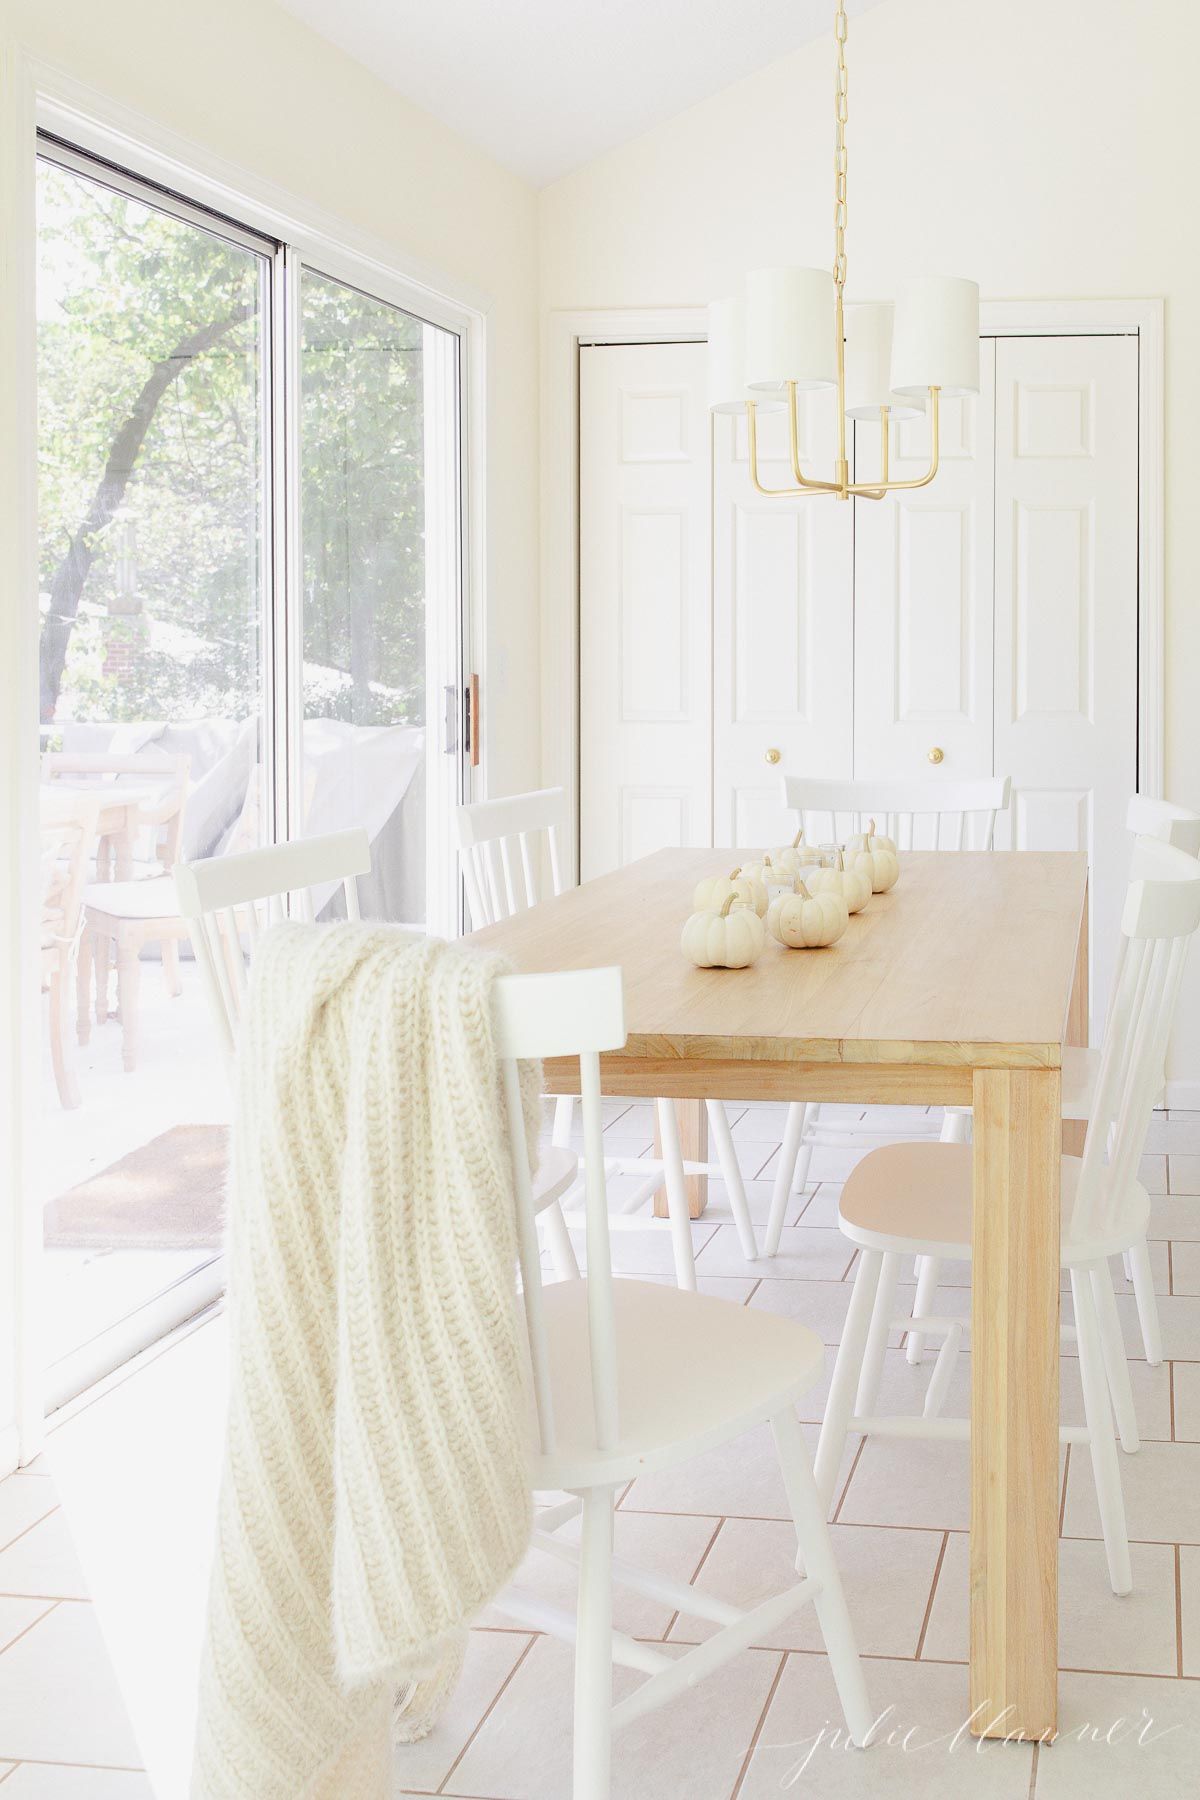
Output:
(960, 986)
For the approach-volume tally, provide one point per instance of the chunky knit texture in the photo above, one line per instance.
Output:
(375, 1492)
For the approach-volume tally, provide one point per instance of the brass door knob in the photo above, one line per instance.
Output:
(937, 754)
(774, 756)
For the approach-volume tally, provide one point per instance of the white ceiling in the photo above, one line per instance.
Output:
(544, 85)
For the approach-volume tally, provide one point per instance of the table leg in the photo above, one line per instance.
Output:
(1014, 1402)
(1078, 1025)
(693, 1139)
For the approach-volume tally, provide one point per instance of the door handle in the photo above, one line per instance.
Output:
(773, 755)
(937, 754)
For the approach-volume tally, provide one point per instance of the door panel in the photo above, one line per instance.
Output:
(782, 632)
(923, 597)
(1066, 605)
(644, 626)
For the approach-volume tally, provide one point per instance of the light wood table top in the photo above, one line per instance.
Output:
(969, 961)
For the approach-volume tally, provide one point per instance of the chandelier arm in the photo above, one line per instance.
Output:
(896, 487)
(784, 493)
(806, 481)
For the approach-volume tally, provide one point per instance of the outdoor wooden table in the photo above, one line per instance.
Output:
(961, 986)
(116, 826)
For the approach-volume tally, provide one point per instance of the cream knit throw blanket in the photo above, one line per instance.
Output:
(375, 1493)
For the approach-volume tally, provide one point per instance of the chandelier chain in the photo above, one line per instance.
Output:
(841, 112)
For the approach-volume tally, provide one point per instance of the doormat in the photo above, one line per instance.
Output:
(168, 1194)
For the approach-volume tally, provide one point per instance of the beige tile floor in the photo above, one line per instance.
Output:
(95, 1692)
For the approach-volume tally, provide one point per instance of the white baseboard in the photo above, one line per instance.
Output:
(1184, 1094)
(10, 1450)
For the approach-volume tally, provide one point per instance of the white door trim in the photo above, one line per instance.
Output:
(565, 332)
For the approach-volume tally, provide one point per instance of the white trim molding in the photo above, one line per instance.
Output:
(565, 332)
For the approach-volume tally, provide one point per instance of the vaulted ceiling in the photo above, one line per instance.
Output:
(545, 85)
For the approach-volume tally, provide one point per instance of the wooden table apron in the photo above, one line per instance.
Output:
(961, 986)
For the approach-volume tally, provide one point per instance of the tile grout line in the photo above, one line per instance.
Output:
(53, 1607)
(695, 1576)
(933, 1586)
(762, 1719)
(862, 1444)
(1033, 1771)
(487, 1713)
(26, 1529)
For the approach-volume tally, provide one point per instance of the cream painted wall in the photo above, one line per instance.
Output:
(248, 83)
(1045, 150)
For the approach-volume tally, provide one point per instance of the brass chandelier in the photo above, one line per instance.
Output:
(791, 332)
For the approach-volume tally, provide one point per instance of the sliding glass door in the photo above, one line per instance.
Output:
(251, 619)
(380, 518)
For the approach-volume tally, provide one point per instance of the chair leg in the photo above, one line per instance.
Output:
(128, 981)
(564, 1118)
(956, 1127)
(877, 1337)
(677, 1202)
(1106, 1465)
(817, 1559)
(558, 1242)
(1142, 1276)
(85, 958)
(170, 958)
(793, 1133)
(731, 1174)
(64, 1074)
(839, 1408)
(1116, 1363)
(808, 1125)
(929, 1270)
(593, 1651)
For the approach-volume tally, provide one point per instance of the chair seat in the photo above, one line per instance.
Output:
(142, 900)
(556, 1173)
(916, 1199)
(694, 1372)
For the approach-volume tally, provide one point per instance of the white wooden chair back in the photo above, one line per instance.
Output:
(1164, 820)
(918, 815)
(1162, 911)
(500, 853)
(580, 1013)
(222, 896)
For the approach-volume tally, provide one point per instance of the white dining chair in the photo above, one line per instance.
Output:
(719, 1370)
(916, 815)
(1165, 822)
(915, 1200)
(229, 901)
(501, 844)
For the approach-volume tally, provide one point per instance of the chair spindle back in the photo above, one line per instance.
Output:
(917, 815)
(500, 852)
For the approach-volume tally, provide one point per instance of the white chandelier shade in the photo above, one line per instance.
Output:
(869, 365)
(727, 389)
(790, 333)
(935, 338)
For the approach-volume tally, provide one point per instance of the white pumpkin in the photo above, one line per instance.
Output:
(854, 885)
(805, 921)
(793, 857)
(710, 895)
(876, 859)
(766, 870)
(726, 938)
(870, 839)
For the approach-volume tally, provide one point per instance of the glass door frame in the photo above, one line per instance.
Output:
(98, 152)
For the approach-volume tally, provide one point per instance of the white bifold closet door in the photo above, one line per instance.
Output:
(1066, 621)
(645, 775)
(923, 598)
(783, 624)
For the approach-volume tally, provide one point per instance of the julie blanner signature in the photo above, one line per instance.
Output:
(980, 1727)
